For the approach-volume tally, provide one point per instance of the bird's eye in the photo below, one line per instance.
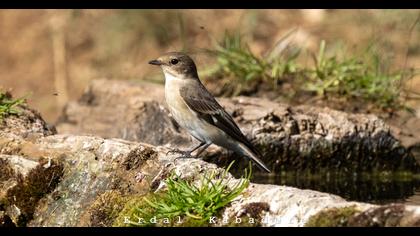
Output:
(174, 61)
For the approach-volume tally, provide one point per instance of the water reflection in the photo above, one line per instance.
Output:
(365, 187)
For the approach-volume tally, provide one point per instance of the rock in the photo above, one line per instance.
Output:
(407, 129)
(298, 138)
(13, 170)
(28, 123)
(132, 109)
(25, 183)
(391, 215)
(76, 180)
(86, 180)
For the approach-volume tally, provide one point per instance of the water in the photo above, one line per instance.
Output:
(364, 187)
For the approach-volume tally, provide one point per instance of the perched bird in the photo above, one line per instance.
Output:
(196, 110)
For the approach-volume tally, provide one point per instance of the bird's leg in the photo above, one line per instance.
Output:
(197, 147)
(201, 150)
(186, 153)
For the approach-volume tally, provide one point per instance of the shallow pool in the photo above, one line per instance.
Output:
(365, 187)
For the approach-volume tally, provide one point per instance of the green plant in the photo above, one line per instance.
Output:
(8, 106)
(365, 77)
(194, 203)
(236, 60)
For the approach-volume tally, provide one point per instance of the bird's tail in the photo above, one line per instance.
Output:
(246, 151)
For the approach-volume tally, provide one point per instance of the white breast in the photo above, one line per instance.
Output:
(179, 110)
(184, 116)
(173, 97)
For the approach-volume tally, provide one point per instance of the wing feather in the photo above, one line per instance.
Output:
(203, 103)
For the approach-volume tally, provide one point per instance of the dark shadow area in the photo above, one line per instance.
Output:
(365, 187)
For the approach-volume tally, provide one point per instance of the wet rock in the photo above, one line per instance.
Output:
(332, 217)
(301, 137)
(389, 215)
(407, 129)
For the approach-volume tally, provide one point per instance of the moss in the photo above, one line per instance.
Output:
(130, 211)
(388, 215)
(106, 208)
(138, 156)
(384, 216)
(332, 217)
(6, 170)
(28, 191)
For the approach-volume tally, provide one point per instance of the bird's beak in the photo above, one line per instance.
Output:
(155, 62)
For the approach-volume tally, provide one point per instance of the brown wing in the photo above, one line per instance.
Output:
(202, 102)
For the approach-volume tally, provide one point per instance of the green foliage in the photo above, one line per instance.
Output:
(235, 59)
(193, 203)
(8, 106)
(366, 78)
(355, 77)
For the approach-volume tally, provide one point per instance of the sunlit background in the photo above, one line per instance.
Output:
(51, 55)
(364, 61)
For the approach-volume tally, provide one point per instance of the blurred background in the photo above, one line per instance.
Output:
(51, 55)
(353, 60)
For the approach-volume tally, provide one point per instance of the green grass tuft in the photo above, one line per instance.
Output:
(364, 77)
(8, 106)
(236, 61)
(193, 203)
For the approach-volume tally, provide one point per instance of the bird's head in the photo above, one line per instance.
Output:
(176, 64)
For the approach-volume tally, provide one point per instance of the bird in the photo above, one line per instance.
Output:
(195, 109)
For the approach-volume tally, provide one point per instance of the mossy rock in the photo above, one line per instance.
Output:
(26, 194)
(332, 217)
(127, 217)
(105, 208)
(138, 156)
(383, 216)
(6, 170)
